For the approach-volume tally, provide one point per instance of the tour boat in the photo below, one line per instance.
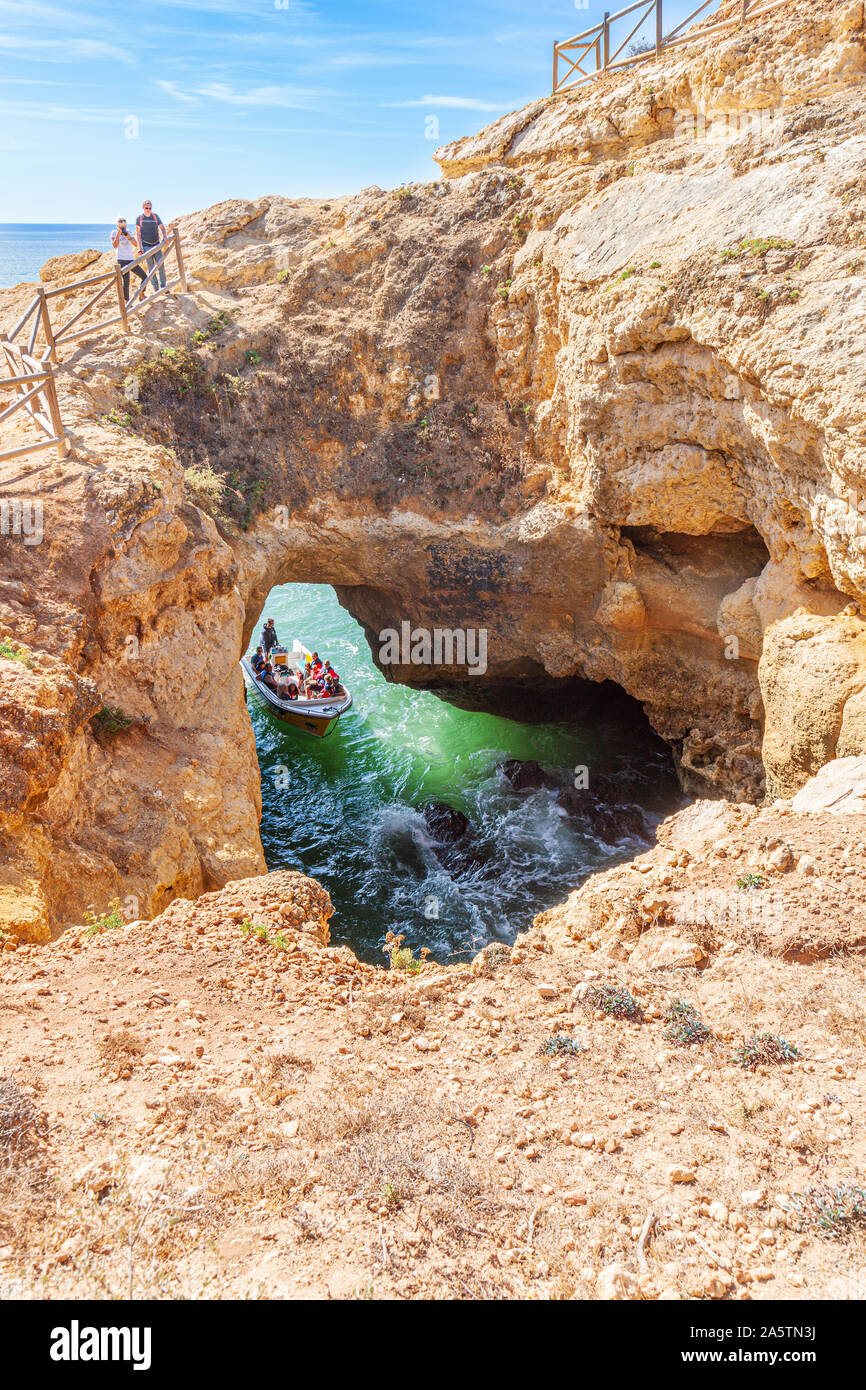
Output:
(319, 716)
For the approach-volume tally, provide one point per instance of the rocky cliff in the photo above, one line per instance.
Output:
(598, 390)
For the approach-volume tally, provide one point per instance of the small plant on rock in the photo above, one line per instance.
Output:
(392, 1196)
(492, 957)
(684, 1024)
(13, 653)
(560, 1044)
(206, 489)
(831, 1211)
(400, 957)
(616, 1001)
(107, 723)
(765, 1049)
(105, 921)
(750, 882)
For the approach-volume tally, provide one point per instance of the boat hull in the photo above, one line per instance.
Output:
(309, 716)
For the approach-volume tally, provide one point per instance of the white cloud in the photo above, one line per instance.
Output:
(28, 12)
(294, 97)
(463, 103)
(63, 50)
(171, 89)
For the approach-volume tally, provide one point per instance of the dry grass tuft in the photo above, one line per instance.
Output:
(119, 1050)
(281, 1074)
(199, 1110)
(22, 1130)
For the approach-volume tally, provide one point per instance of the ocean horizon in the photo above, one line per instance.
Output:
(26, 246)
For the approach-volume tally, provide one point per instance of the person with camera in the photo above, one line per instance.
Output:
(126, 248)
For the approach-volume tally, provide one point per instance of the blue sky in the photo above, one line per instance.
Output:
(191, 101)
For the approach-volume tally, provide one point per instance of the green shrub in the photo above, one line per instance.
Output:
(684, 1024)
(205, 488)
(750, 882)
(105, 921)
(613, 1000)
(765, 1049)
(560, 1044)
(107, 723)
(400, 957)
(177, 372)
(831, 1211)
(13, 653)
(754, 246)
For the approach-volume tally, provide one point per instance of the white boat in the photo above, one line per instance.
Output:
(314, 716)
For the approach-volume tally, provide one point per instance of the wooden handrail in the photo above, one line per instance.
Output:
(7, 381)
(40, 400)
(598, 38)
(694, 14)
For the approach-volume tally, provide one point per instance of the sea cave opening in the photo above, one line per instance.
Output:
(450, 826)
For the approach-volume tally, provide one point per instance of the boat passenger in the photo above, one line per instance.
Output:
(292, 693)
(258, 661)
(330, 679)
(310, 684)
(269, 637)
(268, 678)
(317, 666)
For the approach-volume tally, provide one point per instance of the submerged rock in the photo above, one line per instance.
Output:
(611, 822)
(523, 773)
(444, 823)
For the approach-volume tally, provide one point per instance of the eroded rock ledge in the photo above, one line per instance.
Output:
(280, 1119)
(600, 390)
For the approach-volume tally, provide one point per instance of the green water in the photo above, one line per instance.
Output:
(346, 809)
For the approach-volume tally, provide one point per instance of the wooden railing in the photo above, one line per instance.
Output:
(36, 392)
(32, 378)
(598, 50)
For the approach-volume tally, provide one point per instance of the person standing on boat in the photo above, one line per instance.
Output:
(269, 637)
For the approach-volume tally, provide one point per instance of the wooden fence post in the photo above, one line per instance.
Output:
(46, 326)
(659, 31)
(121, 297)
(54, 408)
(179, 254)
(606, 37)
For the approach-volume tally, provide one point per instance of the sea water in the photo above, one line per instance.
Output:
(348, 809)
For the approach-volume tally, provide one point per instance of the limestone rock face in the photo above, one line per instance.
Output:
(722, 876)
(598, 394)
(839, 788)
(68, 267)
(283, 901)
